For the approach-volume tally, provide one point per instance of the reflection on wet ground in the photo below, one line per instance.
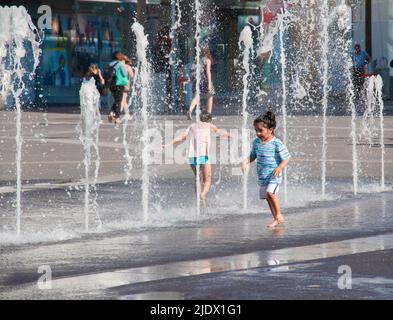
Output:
(93, 265)
(160, 295)
(84, 285)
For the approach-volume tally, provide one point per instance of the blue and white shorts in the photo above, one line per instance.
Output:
(194, 161)
(272, 188)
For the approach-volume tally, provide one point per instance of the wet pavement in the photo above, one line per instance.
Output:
(371, 279)
(225, 253)
(229, 257)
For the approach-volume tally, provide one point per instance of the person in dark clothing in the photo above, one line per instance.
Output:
(117, 83)
(360, 60)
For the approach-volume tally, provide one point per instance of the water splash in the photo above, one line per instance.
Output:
(88, 129)
(127, 118)
(283, 25)
(378, 90)
(374, 109)
(246, 46)
(324, 43)
(344, 24)
(173, 59)
(18, 38)
(144, 72)
(198, 61)
(368, 125)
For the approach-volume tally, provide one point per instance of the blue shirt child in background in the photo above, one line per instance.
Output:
(360, 60)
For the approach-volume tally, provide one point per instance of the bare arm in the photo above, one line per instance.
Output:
(246, 164)
(281, 167)
(130, 71)
(220, 132)
(182, 80)
(102, 81)
(368, 58)
(177, 140)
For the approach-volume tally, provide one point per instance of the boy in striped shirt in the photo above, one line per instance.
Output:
(272, 157)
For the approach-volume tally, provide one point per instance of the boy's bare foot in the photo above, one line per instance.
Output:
(189, 115)
(274, 224)
(280, 219)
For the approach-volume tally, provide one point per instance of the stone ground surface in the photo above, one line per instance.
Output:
(226, 253)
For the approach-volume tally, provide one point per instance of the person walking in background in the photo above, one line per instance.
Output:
(206, 84)
(128, 87)
(117, 81)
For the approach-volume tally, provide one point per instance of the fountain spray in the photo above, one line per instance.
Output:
(88, 129)
(198, 15)
(246, 45)
(145, 78)
(18, 35)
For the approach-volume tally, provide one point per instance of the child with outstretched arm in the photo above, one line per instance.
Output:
(199, 135)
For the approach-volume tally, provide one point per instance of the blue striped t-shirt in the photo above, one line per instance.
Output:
(268, 157)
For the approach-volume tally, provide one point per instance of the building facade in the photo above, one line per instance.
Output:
(83, 32)
(373, 30)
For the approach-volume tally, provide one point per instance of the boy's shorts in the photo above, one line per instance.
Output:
(272, 188)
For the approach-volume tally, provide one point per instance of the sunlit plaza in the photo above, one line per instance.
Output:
(134, 140)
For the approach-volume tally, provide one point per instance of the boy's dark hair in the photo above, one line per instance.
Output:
(205, 116)
(268, 119)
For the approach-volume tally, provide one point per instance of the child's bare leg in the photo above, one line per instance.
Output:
(192, 105)
(209, 103)
(276, 210)
(272, 210)
(124, 102)
(195, 180)
(194, 169)
(207, 179)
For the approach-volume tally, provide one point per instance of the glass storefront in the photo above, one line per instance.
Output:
(83, 32)
(381, 39)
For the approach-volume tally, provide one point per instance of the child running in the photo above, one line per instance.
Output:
(272, 157)
(198, 150)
